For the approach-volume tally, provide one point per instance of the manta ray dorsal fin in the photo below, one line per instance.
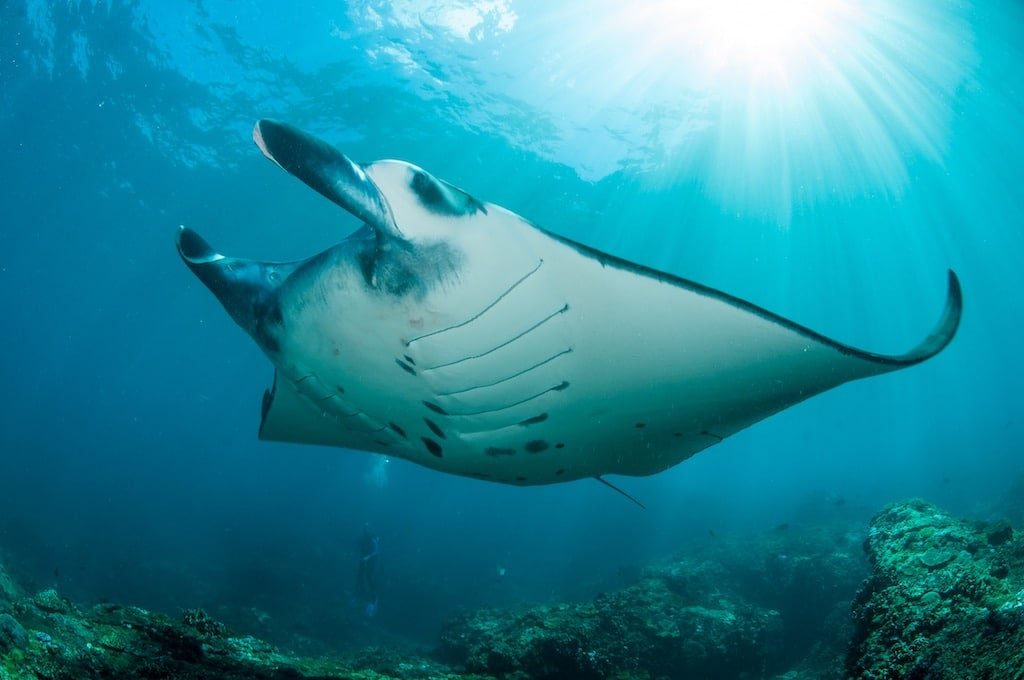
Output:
(328, 171)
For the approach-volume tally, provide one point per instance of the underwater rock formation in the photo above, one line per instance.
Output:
(770, 606)
(732, 607)
(945, 600)
(647, 628)
(46, 636)
(8, 590)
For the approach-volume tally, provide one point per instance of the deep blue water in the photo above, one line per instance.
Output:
(833, 183)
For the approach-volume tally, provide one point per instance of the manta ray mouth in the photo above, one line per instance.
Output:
(328, 171)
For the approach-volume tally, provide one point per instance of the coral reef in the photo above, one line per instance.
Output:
(945, 599)
(47, 637)
(741, 607)
(9, 591)
(645, 630)
(729, 607)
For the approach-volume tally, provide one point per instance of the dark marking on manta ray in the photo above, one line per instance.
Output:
(564, 308)
(557, 388)
(341, 390)
(406, 367)
(432, 446)
(269, 326)
(412, 362)
(442, 198)
(481, 312)
(551, 358)
(407, 270)
(712, 434)
(677, 434)
(560, 445)
(435, 408)
(520, 479)
(495, 451)
(641, 426)
(560, 471)
(435, 429)
(534, 420)
(399, 430)
(536, 446)
(274, 314)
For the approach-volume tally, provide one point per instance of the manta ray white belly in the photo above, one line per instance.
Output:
(460, 337)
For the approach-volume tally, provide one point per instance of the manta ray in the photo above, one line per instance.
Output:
(456, 334)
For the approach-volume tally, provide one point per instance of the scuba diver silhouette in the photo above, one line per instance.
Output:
(366, 573)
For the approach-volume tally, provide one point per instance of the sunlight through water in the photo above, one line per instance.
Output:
(771, 107)
(782, 105)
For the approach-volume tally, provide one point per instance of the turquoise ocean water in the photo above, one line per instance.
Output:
(827, 162)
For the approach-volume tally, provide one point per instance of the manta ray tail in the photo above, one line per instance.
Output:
(615, 488)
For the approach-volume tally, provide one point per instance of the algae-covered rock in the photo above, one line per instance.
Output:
(48, 637)
(945, 599)
(9, 591)
(51, 601)
(646, 627)
(12, 634)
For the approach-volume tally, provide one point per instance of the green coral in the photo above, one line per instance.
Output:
(942, 598)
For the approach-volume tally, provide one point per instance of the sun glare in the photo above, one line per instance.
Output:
(763, 37)
(762, 42)
(771, 105)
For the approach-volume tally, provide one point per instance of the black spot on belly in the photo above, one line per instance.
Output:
(520, 479)
(412, 362)
(495, 451)
(641, 426)
(432, 446)
(435, 429)
(341, 390)
(435, 408)
(399, 430)
(677, 434)
(536, 446)
(406, 367)
(560, 471)
(560, 445)
(535, 419)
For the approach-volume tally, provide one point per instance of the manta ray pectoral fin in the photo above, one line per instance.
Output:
(286, 414)
(936, 341)
(329, 172)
